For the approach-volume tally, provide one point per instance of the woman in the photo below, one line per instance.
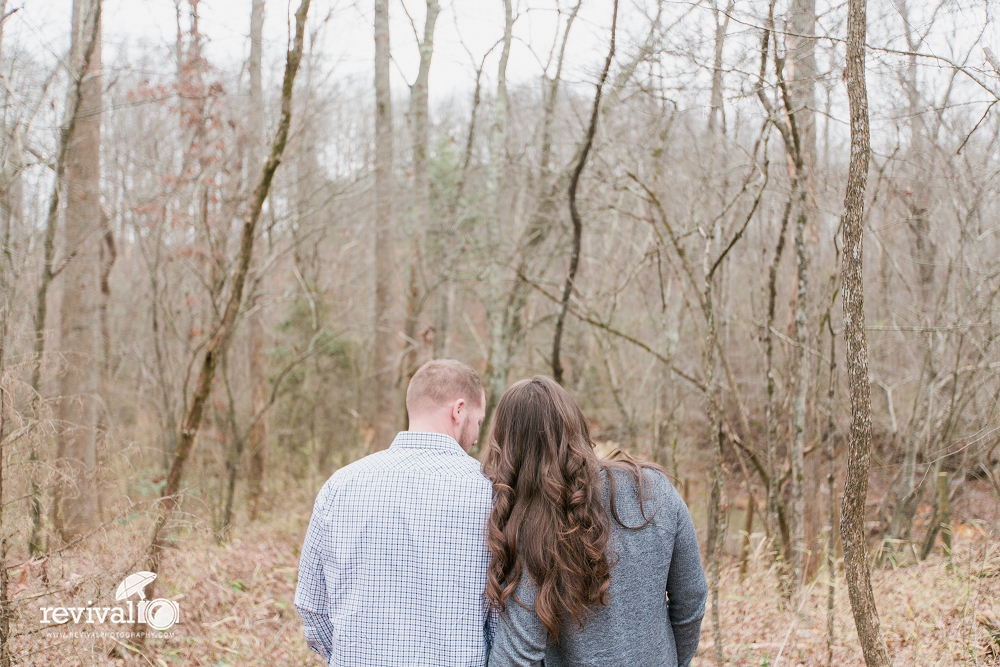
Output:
(585, 551)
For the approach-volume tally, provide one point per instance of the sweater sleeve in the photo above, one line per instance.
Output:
(520, 639)
(686, 585)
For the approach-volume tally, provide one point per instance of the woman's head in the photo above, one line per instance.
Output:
(548, 517)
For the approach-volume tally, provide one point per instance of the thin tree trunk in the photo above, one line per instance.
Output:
(534, 235)
(905, 501)
(75, 503)
(852, 522)
(831, 488)
(257, 443)
(945, 511)
(419, 121)
(169, 417)
(220, 336)
(716, 113)
(107, 254)
(385, 348)
(233, 458)
(746, 545)
(5, 610)
(574, 182)
(934, 527)
(799, 98)
(716, 535)
(495, 377)
(777, 529)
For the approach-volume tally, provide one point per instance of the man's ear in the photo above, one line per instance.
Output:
(456, 409)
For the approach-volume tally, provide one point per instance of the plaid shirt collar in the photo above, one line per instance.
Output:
(426, 440)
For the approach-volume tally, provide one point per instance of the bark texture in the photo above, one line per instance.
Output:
(419, 118)
(852, 521)
(76, 504)
(255, 327)
(384, 419)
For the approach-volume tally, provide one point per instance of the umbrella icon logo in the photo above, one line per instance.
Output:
(134, 583)
(159, 614)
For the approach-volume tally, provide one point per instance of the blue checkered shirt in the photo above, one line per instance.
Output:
(393, 568)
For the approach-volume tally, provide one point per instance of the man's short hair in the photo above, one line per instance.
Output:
(442, 381)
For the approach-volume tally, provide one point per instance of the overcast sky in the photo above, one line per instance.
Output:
(348, 38)
(346, 41)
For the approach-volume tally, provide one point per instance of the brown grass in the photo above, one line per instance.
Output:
(236, 605)
(929, 616)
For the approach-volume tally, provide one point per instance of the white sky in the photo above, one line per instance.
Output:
(348, 37)
(346, 42)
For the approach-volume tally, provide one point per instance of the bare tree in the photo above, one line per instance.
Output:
(419, 121)
(385, 348)
(799, 100)
(574, 182)
(716, 112)
(916, 200)
(852, 518)
(255, 324)
(221, 335)
(495, 378)
(75, 508)
(511, 316)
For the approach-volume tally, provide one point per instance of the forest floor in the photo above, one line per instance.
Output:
(236, 605)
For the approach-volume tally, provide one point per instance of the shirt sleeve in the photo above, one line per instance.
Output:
(686, 586)
(521, 638)
(310, 593)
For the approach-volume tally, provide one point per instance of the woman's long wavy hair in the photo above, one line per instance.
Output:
(548, 516)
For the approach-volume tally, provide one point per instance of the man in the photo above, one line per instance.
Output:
(393, 569)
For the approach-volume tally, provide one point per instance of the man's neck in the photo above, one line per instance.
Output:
(430, 427)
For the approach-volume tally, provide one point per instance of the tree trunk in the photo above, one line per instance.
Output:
(852, 522)
(831, 489)
(76, 504)
(574, 182)
(218, 340)
(499, 357)
(916, 200)
(746, 544)
(10, 210)
(777, 528)
(534, 235)
(419, 121)
(716, 113)
(257, 443)
(801, 88)
(107, 254)
(5, 606)
(945, 512)
(384, 418)
(716, 535)
(82, 65)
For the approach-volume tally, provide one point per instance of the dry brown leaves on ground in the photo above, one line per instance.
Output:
(237, 608)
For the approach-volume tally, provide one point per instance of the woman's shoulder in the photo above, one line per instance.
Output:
(654, 479)
(658, 496)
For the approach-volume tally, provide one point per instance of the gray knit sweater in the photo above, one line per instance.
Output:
(639, 628)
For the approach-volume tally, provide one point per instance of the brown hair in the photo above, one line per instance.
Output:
(548, 516)
(443, 380)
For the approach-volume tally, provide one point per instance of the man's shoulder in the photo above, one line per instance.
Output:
(411, 462)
